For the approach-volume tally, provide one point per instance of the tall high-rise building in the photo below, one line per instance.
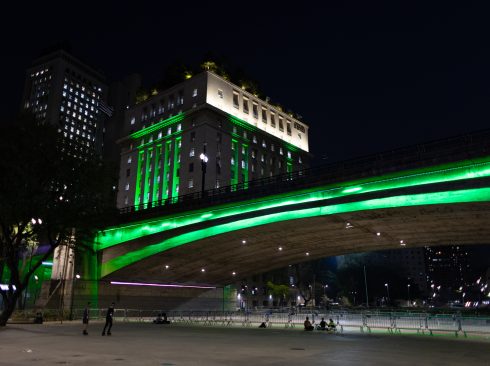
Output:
(448, 271)
(205, 133)
(65, 92)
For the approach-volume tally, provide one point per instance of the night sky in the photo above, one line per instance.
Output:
(365, 77)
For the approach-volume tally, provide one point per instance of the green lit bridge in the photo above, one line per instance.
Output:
(431, 194)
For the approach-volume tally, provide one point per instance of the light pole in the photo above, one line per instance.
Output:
(408, 290)
(366, 288)
(387, 290)
(204, 163)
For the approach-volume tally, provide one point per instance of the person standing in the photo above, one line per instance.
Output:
(108, 320)
(86, 315)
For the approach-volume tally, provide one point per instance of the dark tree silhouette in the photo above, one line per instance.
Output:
(48, 191)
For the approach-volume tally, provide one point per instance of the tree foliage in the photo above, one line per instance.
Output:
(48, 190)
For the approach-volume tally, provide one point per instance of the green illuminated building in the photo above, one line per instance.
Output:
(243, 138)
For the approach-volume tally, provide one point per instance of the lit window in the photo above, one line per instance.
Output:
(264, 115)
(254, 139)
(244, 164)
(169, 131)
(160, 134)
(194, 93)
(255, 110)
(300, 160)
(179, 127)
(127, 187)
(126, 200)
(235, 99)
(289, 154)
(280, 151)
(232, 161)
(217, 183)
(272, 147)
(130, 159)
(133, 119)
(264, 144)
(191, 183)
(192, 152)
(245, 105)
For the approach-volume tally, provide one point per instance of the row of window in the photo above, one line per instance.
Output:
(172, 102)
(265, 114)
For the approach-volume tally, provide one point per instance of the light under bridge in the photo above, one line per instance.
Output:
(432, 194)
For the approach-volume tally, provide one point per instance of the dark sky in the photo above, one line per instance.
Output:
(365, 77)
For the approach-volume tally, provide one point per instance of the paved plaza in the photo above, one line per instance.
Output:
(151, 344)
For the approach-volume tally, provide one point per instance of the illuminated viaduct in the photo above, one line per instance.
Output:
(432, 205)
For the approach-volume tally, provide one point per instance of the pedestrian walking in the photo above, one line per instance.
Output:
(86, 316)
(108, 320)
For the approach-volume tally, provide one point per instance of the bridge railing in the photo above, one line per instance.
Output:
(437, 152)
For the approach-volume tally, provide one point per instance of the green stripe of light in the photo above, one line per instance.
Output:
(157, 126)
(469, 195)
(247, 126)
(444, 173)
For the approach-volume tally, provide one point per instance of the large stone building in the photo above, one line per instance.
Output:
(65, 92)
(204, 133)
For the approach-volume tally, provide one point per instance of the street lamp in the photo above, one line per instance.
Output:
(204, 163)
(408, 290)
(387, 290)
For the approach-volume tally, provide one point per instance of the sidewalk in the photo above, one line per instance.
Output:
(152, 344)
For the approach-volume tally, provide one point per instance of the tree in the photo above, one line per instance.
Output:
(49, 189)
(279, 292)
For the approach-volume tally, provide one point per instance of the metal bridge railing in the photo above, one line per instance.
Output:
(462, 147)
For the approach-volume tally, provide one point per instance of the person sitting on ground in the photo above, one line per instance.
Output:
(331, 325)
(158, 319)
(307, 324)
(323, 324)
(263, 325)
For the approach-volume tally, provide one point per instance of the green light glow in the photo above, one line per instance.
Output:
(353, 189)
(247, 126)
(137, 195)
(469, 195)
(444, 173)
(147, 177)
(157, 126)
(166, 169)
(156, 174)
(234, 168)
(176, 175)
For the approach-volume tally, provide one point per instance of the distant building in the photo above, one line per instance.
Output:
(411, 264)
(65, 92)
(242, 137)
(449, 271)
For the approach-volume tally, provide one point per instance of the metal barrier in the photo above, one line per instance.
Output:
(363, 321)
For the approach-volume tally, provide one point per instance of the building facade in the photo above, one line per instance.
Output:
(242, 137)
(63, 91)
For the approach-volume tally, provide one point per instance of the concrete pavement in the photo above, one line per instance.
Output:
(176, 345)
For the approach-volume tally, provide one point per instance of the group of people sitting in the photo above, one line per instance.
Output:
(331, 327)
(161, 319)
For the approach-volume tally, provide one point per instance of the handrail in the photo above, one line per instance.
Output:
(463, 147)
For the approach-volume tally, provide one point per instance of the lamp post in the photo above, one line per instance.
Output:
(387, 290)
(408, 290)
(204, 163)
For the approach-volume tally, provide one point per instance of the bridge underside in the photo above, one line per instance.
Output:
(321, 236)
